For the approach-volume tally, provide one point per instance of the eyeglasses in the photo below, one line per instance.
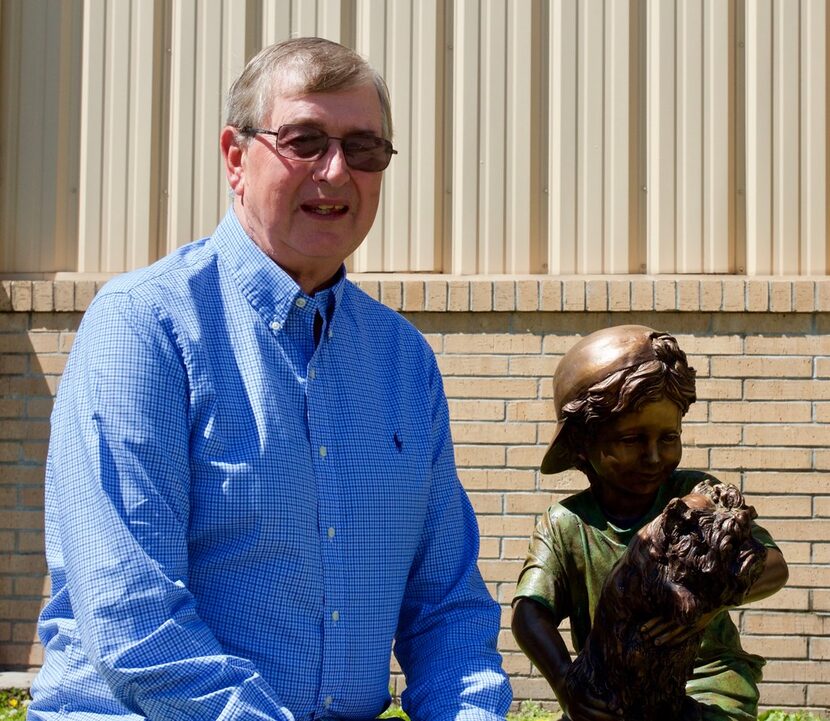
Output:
(302, 142)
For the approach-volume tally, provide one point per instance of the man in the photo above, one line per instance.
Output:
(251, 491)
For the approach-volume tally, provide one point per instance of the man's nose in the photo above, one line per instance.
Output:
(332, 167)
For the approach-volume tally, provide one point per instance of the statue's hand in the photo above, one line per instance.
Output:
(667, 632)
(580, 705)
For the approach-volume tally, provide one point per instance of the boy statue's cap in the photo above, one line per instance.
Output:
(590, 361)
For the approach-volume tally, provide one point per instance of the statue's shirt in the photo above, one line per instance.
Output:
(572, 552)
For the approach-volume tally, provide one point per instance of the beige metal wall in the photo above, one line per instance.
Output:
(535, 136)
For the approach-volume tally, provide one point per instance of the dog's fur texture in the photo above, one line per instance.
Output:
(696, 556)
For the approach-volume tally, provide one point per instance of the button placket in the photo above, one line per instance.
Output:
(326, 463)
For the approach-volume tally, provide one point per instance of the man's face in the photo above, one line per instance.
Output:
(307, 216)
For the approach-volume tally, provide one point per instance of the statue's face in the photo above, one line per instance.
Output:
(633, 455)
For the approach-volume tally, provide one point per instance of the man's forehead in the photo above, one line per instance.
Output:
(301, 105)
(291, 83)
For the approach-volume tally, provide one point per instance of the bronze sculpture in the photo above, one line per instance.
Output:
(696, 557)
(619, 396)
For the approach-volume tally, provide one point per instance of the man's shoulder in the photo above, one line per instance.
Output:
(171, 274)
(372, 314)
(166, 293)
(367, 303)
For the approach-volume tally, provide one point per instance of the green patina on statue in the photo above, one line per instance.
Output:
(646, 562)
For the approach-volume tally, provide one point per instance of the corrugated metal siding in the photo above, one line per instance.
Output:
(535, 136)
(39, 134)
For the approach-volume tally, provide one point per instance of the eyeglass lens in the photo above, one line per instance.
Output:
(362, 152)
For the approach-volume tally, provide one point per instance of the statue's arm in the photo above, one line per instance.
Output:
(772, 578)
(537, 633)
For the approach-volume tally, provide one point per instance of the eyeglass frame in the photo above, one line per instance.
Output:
(387, 144)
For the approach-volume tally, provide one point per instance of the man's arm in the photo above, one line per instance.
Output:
(449, 624)
(118, 489)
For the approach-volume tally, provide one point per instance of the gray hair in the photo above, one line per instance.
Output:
(301, 65)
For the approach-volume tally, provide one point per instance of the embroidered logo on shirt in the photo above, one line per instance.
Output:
(398, 442)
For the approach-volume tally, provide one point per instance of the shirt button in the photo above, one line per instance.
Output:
(331, 532)
(300, 302)
(335, 616)
(275, 325)
(323, 451)
(328, 701)
(331, 332)
(312, 374)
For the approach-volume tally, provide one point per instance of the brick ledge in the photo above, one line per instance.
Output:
(16, 679)
(414, 293)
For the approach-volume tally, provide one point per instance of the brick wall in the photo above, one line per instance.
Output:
(762, 353)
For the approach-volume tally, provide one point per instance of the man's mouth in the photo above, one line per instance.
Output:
(325, 209)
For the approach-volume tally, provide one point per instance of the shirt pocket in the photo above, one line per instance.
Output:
(394, 465)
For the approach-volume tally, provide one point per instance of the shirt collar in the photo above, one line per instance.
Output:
(268, 288)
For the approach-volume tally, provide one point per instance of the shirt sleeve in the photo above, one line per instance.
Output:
(448, 629)
(118, 469)
(543, 577)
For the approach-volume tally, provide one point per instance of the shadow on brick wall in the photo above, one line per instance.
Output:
(33, 350)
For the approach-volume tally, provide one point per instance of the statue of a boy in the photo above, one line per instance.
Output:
(620, 395)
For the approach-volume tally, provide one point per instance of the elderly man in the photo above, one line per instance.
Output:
(251, 492)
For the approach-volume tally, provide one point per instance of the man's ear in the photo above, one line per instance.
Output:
(233, 154)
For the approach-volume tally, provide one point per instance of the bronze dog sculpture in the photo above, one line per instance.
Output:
(698, 555)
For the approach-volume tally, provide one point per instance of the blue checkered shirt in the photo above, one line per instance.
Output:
(240, 523)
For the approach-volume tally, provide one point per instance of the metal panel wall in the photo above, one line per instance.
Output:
(116, 205)
(536, 136)
(40, 109)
